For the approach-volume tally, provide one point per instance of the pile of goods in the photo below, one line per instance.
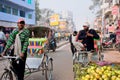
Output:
(97, 72)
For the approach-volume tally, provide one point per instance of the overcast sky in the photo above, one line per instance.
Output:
(79, 8)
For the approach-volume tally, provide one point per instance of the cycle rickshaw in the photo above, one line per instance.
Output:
(37, 60)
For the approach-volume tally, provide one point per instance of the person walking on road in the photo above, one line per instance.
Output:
(2, 40)
(72, 47)
(117, 33)
(19, 37)
(87, 36)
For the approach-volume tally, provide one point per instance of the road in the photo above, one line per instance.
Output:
(62, 65)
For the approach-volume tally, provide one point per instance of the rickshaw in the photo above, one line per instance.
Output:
(37, 58)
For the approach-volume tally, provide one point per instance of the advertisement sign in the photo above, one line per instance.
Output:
(118, 22)
(62, 24)
(54, 20)
(115, 10)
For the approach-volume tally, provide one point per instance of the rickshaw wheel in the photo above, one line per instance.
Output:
(48, 69)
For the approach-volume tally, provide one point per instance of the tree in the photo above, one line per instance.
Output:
(37, 10)
(95, 4)
(45, 14)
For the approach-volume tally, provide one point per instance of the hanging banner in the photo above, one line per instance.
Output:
(115, 10)
(118, 22)
(54, 20)
(62, 24)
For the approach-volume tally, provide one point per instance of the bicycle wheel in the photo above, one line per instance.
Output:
(48, 69)
(85, 59)
(7, 75)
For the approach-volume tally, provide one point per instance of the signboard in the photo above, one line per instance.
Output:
(62, 24)
(115, 10)
(118, 22)
(111, 29)
(54, 20)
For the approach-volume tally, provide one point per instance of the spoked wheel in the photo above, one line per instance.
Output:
(7, 76)
(49, 69)
(76, 58)
(84, 59)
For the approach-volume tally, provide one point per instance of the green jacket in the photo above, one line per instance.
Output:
(24, 37)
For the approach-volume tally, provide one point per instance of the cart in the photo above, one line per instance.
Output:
(37, 60)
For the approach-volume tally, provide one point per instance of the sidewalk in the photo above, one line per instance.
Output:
(112, 56)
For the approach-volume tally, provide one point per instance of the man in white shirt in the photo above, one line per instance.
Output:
(78, 45)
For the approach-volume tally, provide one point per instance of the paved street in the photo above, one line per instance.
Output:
(112, 56)
(62, 63)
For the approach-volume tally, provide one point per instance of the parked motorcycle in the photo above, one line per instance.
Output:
(108, 43)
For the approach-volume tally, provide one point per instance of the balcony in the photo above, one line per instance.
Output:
(116, 2)
(108, 9)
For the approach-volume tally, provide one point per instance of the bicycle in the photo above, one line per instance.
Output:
(81, 57)
(46, 66)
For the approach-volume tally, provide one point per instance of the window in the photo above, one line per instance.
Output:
(30, 16)
(29, 2)
(1, 7)
(22, 13)
(7, 9)
(15, 11)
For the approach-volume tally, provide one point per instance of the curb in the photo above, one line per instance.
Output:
(62, 44)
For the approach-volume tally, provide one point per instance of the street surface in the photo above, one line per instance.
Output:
(112, 56)
(62, 65)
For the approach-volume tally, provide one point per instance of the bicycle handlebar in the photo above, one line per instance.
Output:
(11, 57)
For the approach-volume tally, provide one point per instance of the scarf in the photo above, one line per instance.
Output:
(17, 45)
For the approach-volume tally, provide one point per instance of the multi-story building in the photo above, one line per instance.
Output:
(12, 10)
(109, 14)
(68, 15)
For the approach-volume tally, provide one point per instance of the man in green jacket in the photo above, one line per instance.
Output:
(19, 37)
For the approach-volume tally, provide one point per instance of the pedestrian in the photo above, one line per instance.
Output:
(19, 37)
(87, 36)
(71, 39)
(2, 40)
(117, 33)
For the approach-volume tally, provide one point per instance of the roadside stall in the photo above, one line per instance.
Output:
(97, 70)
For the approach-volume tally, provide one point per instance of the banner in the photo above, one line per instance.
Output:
(115, 10)
(54, 20)
(62, 24)
(118, 22)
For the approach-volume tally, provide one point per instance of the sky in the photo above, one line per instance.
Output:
(79, 8)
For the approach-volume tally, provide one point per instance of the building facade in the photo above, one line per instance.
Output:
(109, 14)
(12, 10)
(68, 15)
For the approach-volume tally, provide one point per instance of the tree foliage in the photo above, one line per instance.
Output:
(45, 14)
(95, 3)
(37, 10)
